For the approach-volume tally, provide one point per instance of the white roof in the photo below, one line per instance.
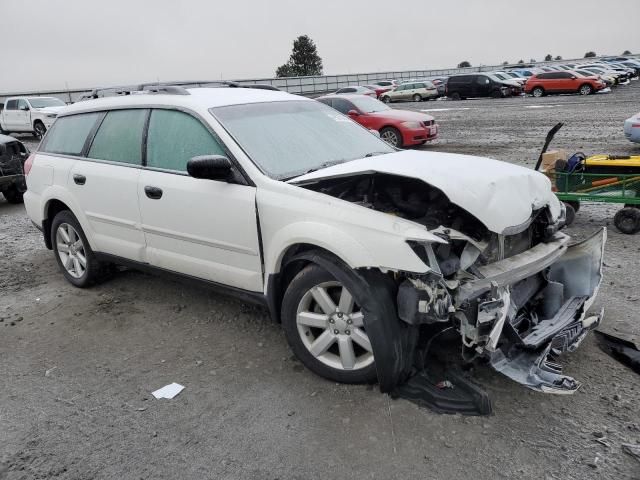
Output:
(198, 99)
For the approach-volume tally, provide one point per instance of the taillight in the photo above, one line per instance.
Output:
(29, 163)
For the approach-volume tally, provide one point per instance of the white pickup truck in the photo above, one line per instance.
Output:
(29, 114)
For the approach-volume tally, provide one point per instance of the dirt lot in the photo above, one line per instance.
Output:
(77, 367)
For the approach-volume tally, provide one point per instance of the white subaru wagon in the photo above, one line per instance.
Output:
(360, 250)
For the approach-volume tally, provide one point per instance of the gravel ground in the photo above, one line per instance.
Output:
(77, 366)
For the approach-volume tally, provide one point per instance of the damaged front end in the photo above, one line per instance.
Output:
(519, 312)
(519, 298)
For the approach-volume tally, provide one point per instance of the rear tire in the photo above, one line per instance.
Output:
(455, 96)
(386, 99)
(392, 136)
(538, 92)
(310, 327)
(73, 253)
(417, 98)
(627, 220)
(13, 195)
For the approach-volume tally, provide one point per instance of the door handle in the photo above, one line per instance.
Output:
(79, 179)
(153, 193)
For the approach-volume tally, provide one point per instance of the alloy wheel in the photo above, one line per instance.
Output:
(71, 250)
(585, 90)
(390, 137)
(331, 327)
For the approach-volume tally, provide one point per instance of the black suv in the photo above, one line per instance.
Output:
(13, 154)
(460, 87)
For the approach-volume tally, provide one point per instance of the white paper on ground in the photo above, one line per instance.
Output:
(168, 391)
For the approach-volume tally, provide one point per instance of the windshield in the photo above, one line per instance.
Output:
(499, 75)
(42, 102)
(369, 105)
(287, 139)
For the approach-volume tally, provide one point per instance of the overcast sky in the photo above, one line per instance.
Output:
(87, 43)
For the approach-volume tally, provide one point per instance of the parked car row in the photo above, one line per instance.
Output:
(584, 79)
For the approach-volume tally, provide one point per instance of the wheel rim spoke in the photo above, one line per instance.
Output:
(345, 305)
(322, 343)
(361, 339)
(64, 234)
(347, 355)
(67, 262)
(76, 266)
(63, 247)
(321, 296)
(358, 319)
(82, 259)
(310, 319)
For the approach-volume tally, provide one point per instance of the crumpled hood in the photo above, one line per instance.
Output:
(499, 194)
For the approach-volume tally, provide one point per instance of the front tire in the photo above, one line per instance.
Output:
(455, 96)
(392, 136)
(324, 326)
(537, 92)
(75, 258)
(417, 98)
(39, 129)
(585, 90)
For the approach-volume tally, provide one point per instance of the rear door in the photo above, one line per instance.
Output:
(202, 228)
(105, 184)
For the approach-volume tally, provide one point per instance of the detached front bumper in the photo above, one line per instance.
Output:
(535, 318)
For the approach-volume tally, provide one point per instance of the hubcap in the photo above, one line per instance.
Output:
(537, 92)
(331, 327)
(40, 130)
(71, 250)
(390, 137)
(584, 90)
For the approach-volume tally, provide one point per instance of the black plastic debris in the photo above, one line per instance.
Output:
(624, 351)
(453, 394)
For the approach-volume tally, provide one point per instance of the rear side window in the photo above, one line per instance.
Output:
(12, 105)
(119, 138)
(175, 137)
(69, 134)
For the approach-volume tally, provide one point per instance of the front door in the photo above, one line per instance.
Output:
(202, 228)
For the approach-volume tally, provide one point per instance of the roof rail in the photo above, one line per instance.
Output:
(169, 88)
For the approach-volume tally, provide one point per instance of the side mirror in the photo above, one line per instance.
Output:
(353, 113)
(573, 77)
(24, 108)
(210, 167)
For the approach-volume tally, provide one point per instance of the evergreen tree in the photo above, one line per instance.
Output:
(304, 59)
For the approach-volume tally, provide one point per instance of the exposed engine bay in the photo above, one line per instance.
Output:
(518, 298)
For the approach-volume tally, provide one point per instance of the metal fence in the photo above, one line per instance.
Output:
(312, 86)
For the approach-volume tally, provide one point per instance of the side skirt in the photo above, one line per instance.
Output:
(256, 298)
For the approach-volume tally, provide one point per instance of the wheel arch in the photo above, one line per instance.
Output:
(291, 260)
(56, 202)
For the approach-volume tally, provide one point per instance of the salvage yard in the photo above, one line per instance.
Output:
(77, 367)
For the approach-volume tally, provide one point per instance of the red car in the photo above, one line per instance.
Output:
(379, 89)
(400, 128)
(562, 82)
